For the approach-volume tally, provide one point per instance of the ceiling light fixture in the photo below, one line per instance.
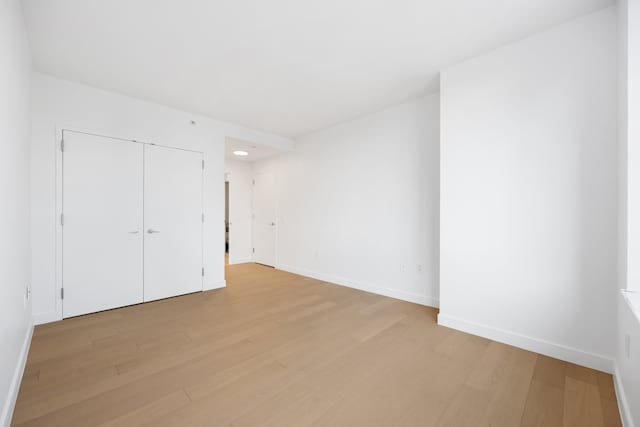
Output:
(240, 153)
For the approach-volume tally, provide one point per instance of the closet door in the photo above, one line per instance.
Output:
(173, 222)
(102, 235)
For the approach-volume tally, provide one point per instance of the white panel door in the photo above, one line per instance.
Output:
(173, 222)
(264, 219)
(102, 233)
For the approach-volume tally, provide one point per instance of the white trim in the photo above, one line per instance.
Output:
(47, 317)
(623, 403)
(557, 351)
(9, 405)
(392, 293)
(59, 133)
(240, 261)
(633, 301)
(216, 285)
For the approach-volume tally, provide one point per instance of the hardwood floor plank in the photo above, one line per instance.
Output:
(509, 395)
(582, 405)
(157, 408)
(550, 371)
(466, 408)
(152, 376)
(589, 376)
(274, 348)
(610, 411)
(544, 406)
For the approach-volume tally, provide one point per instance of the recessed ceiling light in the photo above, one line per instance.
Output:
(240, 153)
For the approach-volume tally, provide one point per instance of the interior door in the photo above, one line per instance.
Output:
(102, 223)
(264, 219)
(173, 222)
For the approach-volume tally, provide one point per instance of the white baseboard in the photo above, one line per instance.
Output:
(623, 403)
(52, 316)
(392, 293)
(240, 261)
(48, 317)
(557, 351)
(9, 405)
(215, 285)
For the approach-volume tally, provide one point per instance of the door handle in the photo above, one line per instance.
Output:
(151, 231)
(134, 232)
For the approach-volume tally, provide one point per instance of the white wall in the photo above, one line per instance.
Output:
(633, 138)
(240, 177)
(15, 276)
(629, 137)
(528, 192)
(358, 203)
(622, 19)
(628, 368)
(59, 103)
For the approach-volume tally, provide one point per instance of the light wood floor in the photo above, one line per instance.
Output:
(282, 350)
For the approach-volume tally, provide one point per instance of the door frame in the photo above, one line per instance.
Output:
(59, 198)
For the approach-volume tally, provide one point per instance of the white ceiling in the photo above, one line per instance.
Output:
(256, 151)
(284, 66)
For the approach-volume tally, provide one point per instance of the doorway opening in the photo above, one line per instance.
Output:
(250, 200)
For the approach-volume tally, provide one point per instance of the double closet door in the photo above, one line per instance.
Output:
(132, 223)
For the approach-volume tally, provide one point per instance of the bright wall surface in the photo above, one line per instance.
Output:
(239, 175)
(623, 32)
(629, 137)
(628, 360)
(628, 334)
(633, 138)
(15, 275)
(357, 203)
(529, 192)
(62, 104)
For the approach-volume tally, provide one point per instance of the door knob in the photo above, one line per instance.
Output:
(273, 223)
(151, 231)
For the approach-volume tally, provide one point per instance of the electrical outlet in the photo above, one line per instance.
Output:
(403, 268)
(627, 345)
(419, 268)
